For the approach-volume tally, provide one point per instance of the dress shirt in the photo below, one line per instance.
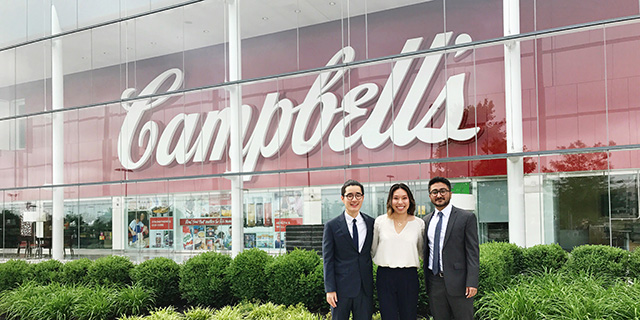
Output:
(362, 228)
(397, 250)
(431, 233)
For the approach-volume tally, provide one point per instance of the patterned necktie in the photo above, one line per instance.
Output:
(435, 267)
(355, 236)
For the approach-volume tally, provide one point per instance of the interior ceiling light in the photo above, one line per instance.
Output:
(332, 3)
(265, 18)
(297, 10)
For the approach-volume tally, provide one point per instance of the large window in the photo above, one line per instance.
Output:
(597, 209)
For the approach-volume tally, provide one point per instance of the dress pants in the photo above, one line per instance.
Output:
(361, 306)
(445, 306)
(398, 293)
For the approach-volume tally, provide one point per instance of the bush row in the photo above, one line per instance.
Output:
(209, 279)
(501, 262)
(216, 280)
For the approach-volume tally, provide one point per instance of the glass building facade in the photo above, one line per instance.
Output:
(379, 91)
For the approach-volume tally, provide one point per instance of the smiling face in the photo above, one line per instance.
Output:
(352, 206)
(400, 201)
(441, 197)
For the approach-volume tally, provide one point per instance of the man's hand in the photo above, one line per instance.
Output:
(332, 299)
(470, 292)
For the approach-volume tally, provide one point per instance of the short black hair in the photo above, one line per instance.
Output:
(349, 183)
(439, 179)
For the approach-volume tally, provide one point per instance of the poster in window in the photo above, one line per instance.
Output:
(249, 240)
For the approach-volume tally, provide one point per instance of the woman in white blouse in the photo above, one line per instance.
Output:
(396, 249)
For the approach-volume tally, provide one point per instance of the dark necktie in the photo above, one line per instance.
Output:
(435, 267)
(355, 235)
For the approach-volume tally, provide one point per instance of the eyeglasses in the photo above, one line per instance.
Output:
(350, 196)
(441, 191)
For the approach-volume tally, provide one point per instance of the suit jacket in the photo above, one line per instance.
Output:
(345, 269)
(460, 252)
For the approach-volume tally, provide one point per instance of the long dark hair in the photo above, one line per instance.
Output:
(412, 201)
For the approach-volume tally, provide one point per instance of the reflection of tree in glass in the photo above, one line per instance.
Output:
(492, 139)
(579, 161)
(581, 201)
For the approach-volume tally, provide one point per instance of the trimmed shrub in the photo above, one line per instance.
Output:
(314, 285)
(203, 281)
(13, 273)
(544, 257)
(598, 260)
(499, 262)
(162, 277)
(634, 264)
(246, 274)
(291, 278)
(46, 272)
(76, 271)
(110, 271)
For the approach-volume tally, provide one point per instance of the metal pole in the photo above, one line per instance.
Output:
(57, 145)
(513, 98)
(235, 149)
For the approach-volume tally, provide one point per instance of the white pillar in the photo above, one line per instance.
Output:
(513, 99)
(235, 149)
(57, 145)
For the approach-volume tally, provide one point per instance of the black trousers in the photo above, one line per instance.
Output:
(360, 306)
(445, 306)
(398, 293)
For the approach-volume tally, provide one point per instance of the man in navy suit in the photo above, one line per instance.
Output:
(346, 251)
(451, 256)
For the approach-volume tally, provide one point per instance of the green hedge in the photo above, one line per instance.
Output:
(203, 280)
(247, 275)
(295, 278)
(216, 280)
(161, 276)
(47, 271)
(544, 257)
(110, 271)
(600, 261)
(13, 273)
(634, 264)
(76, 271)
(499, 262)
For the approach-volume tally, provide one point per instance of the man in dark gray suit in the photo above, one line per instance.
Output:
(346, 251)
(451, 257)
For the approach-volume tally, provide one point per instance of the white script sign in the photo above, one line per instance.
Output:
(216, 130)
